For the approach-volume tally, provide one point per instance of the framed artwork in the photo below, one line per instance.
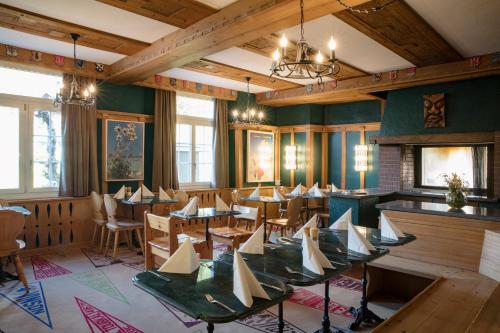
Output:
(434, 115)
(260, 156)
(123, 150)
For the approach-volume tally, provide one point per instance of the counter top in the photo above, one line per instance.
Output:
(433, 194)
(360, 194)
(470, 212)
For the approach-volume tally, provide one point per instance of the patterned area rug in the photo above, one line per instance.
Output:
(81, 290)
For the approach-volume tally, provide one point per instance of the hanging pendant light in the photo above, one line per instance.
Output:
(76, 96)
(249, 115)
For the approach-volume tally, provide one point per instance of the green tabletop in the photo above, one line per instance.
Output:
(263, 199)
(186, 292)
(374, 236)
(277, 257)
(18, 209)
(204, 213)
(148, 201)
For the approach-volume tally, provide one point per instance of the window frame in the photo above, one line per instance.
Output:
(27, 106)
(193, 122)
(489, 168)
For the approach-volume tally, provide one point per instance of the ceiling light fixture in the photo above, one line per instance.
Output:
(303, 67)
(75, 96)
(250, 115)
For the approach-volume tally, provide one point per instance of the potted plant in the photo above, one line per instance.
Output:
(457, 189)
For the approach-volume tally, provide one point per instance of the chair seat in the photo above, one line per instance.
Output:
(8, 252)
(280, 222)
(228, 232)
(100, 221)
(124, 225)
(163, 243)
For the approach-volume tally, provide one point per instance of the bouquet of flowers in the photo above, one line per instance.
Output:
(457, 189)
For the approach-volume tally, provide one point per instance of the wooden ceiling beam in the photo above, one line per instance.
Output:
(233, 25)
(36, 24)
(402, 30)
(180, 14)
(233, 73)
(266, 45)
(453, 71)
(47, 64)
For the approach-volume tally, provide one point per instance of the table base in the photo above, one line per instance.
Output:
(325, 322)
(363, 314)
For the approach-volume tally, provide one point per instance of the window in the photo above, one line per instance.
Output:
(469, 162)
(194, 140)
(30, 133)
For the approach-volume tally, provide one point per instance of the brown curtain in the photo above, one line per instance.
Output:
(79, 173)
(220, 177)
(164, 154)
(478, 168)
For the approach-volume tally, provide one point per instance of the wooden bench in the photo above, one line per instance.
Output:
(453, 300)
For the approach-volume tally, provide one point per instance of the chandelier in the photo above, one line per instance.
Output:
(303, 67)
(249, 115)
(74, 97)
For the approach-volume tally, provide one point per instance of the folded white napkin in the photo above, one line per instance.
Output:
(249, 213)
(163, 196)
(255, 194)
(312, 223)
(343, 221)
(356, 242)
(146, 193)
(192, 207)
(334, 188)
(388, 229)
(245, 284)
(220, 205)
(312, 257)
(315, 191)
(183, 261)
(255, 244)
(137, 196)
(120, 194)
(298, 190)
(277, 196)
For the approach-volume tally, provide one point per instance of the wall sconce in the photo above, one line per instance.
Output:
(291, 157)
(361, 158)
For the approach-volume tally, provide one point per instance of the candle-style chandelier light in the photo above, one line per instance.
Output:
(249, 115)
(75, 97)
(303, 67)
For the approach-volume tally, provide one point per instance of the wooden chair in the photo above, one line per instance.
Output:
(11, 225)
(100, 218)
(4, 203)
(182, 198)
(232, 235)
(236, 197)
(168, 242)
(117, 224)
(292, 221)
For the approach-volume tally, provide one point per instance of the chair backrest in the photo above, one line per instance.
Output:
(248, 213)
(283, 190)
(170, 192)
(293, 211)
(167, 225)
(235, 196)
(111, 206)
(4, 203)
(98, 206)
(182, 198)
(11, 225)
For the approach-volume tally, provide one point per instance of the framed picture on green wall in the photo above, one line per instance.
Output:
(260, 156)
(124, 150)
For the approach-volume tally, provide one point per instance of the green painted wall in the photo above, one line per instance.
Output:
(471, 106)
(132, 99)
(300, 172)
(318, 160)
(352, 177)
(284, 173)
(298, 115)
(371, 176)
(351, 113)
(335, 158)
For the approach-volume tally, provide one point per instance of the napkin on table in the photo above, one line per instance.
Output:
(312, 223)
(146, 193)
(255, 194)
(163, 196)
(388, 229)
(315, 192)
(220, 205)
(277, 196)
(312, 257)
(183, 261)
(120, 194)
(192, 207)
(334, 188)
(255, 244)
(298, 190)
(341, 223)
(137, 196)
(356, 242)
(245, 284)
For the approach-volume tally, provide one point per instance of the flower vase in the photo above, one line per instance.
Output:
(456, 199)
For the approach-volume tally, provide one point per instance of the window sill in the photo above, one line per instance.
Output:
(196, 186)
(30, 195)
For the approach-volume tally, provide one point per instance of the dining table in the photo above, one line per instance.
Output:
(204, 214)
(148, 201)
(264, 200)
(207, 293)
(306, 197)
